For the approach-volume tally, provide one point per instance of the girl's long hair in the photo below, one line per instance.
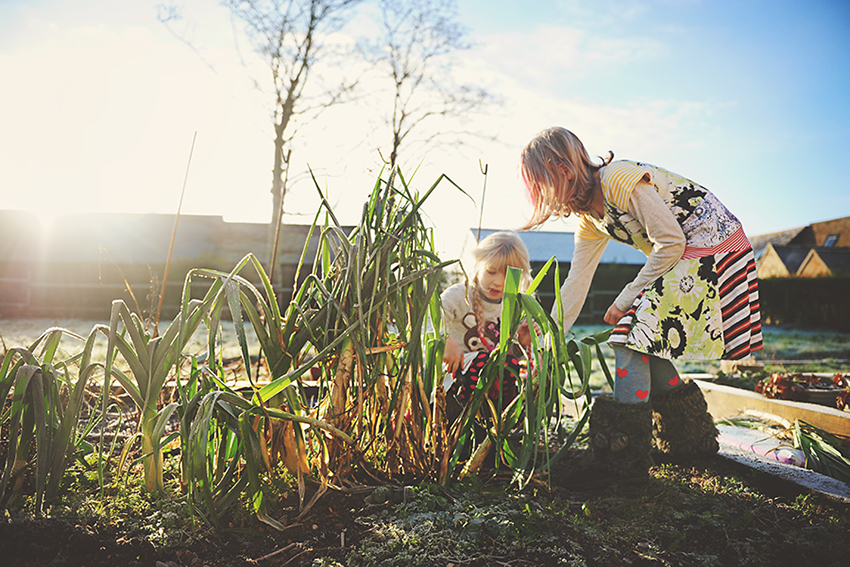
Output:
(499, 250)
(558, 175)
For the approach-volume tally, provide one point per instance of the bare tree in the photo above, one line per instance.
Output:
(417, 50)
(288, 35)
(291, 38)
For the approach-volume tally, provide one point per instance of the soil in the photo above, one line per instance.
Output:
(685, 515)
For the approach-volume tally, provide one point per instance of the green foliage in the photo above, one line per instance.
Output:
(124, 504)
(824, 452)
(364, 327)
(39, 421)
(521, 430)
(359, 319)
(151, 359)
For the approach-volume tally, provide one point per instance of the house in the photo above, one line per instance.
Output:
(780, 261)
(619, 265)
(825, 262)
(818, 249)
(832, 233)
(802, 236)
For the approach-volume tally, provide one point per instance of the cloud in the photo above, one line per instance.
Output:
(553, 55)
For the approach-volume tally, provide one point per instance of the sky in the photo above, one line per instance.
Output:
(104, 108)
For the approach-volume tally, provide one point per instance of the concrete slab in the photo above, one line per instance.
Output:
(805, 478)
(753, 440)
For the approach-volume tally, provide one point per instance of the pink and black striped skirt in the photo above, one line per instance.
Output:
(704, 308)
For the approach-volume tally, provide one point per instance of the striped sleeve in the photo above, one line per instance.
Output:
(587, 231)
(618, 181)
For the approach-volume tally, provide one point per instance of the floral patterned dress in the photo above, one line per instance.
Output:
(706, 306)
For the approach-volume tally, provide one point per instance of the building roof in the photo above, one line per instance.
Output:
(814, 234)
(792, 256)
(836, 259)
(839, 229)
(542, 245)
(781, 238)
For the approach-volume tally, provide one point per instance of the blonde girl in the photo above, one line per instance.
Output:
(695, 298)
(472, 313)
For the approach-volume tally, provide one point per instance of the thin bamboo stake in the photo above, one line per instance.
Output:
(484, 170)
(173, 238)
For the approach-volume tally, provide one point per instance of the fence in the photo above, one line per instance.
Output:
(806, 302)
(78, 265)
(91, 297)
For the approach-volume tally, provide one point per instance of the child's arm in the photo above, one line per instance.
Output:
(453, 300)
(585, 259)
(668, 244)
(614, 314)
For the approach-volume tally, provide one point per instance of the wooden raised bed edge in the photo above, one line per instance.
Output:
(728, 402)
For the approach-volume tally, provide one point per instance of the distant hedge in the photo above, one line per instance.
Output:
(822, 303)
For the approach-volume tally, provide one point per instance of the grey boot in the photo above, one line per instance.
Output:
(620, 447)
(682, 425)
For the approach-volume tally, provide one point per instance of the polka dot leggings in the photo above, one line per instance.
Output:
(465, 382)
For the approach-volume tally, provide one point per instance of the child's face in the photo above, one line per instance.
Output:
(492, 282)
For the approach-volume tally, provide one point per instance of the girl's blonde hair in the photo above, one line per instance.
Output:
(558, 175)
(498, 251)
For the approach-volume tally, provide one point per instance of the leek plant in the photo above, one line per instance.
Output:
(357, 324)
(366, 324)
(363, 328)
(825, 453)
(152, 360)
(44, 414)
(519, 431)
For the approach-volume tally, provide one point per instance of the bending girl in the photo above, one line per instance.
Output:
(695, 298)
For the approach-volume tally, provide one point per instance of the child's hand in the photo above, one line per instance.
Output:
(613, 315)
(523, 334)
(452, 355)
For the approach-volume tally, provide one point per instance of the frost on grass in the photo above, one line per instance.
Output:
(435, 528)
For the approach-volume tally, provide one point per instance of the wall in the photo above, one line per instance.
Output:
(79, 263)
(770, 265)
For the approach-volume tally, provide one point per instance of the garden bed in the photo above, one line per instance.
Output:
(707, 512)
(730, 402)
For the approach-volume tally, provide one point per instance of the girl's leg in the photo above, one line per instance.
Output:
(619, 429)
(466, 381)
(633, 375)
(682, 425)
(664, 375)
